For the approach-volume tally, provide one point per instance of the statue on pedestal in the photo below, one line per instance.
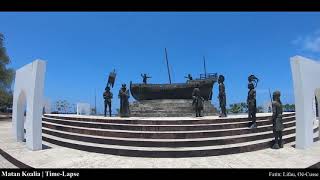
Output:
(124, 101)
(251, 101)
(189, 77)
(107, 96)
(277, 120)
(144, 78)
(197, 101)
(222, 96)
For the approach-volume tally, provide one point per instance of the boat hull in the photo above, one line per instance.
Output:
(172, 91)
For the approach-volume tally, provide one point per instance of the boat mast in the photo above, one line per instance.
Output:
(95, 102)
(165, 49)
(204, 64)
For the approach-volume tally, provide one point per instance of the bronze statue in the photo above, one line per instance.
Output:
(189, 77)
(222, 96)
(252, 106)
(124, 101)
(253, 79)
(197, 101)
(144, 78)
(277, 120)
(107, 96)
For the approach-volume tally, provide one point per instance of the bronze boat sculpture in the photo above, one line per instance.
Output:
(205, 83)
(144, 91)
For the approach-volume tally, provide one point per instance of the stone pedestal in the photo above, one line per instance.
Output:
(168, 108)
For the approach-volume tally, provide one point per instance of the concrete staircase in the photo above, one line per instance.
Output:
(174, 138)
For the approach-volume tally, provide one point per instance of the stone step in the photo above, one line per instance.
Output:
(160, 134)
(163, 121)
(160, 152)
(167, 142)
(168, 114)
(142, 127)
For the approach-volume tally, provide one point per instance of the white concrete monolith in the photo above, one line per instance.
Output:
(28, 93)
(306, 81)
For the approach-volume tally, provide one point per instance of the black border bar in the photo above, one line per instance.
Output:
(160, 5)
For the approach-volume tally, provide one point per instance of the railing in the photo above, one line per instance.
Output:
(213, 76)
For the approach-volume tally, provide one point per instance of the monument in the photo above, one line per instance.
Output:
(124, 101)
(144, 78)
(222, 96)
(107, 96)
(197, 101)
(277, 120)
(172, 99)
(251, 101)
(28, 92)
(189, 77)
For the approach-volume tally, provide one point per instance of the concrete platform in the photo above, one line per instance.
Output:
(230, 116)
(4, 163)
(54, 156)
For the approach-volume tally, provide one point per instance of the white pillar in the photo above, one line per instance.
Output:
(28, 90)
(305, 82)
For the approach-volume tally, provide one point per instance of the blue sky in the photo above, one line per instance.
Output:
(81, 48)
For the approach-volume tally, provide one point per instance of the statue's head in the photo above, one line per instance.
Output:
(221, 79)
(250, 85)
(124, 86)
(107, 88)
(252, 78)
(276, 95)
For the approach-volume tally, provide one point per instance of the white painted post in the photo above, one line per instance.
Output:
(304, 72)
(28, 90)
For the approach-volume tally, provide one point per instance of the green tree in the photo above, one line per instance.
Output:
(292, 107)
(6, 77)
(244, 107)
(63, 106)
(236, 108)
(288, 107)
(259, 109)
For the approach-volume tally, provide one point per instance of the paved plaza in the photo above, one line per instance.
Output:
(53, 156)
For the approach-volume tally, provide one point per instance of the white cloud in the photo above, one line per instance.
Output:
(310, 42)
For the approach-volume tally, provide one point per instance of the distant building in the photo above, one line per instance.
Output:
(267, 107)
